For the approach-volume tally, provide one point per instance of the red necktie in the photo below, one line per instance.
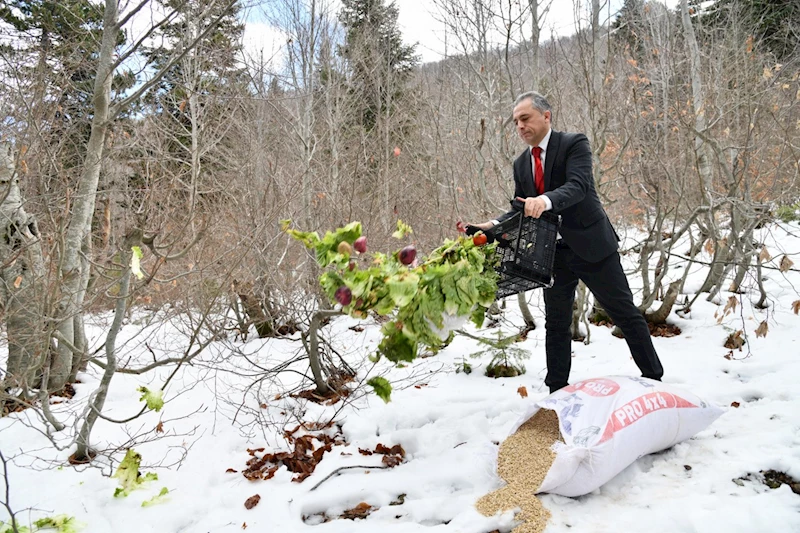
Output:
(539, 172)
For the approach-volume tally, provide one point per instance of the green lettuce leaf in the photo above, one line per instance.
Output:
(403, 288)
(129, 476)
(403, 229)
(158, 498)
(136, 262)
(382, 388)
(61, 523)
(154, 398)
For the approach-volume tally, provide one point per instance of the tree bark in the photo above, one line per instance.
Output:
(702, 150)
(526, 312)
(84, 452)
(21, 287)
(71, 272)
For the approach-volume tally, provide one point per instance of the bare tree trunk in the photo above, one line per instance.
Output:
(79, 355)
(21, 272)
(579, 314)
(659, 316)
(313, 349)
(71, 275)
(526, 311)
(702, 150)
(84, 452)
(535, 75)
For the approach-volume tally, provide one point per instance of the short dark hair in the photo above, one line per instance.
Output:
(538, 101)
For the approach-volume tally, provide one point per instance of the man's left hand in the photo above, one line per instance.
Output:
(534, 206)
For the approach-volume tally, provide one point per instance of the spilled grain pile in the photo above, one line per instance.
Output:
(523, 462)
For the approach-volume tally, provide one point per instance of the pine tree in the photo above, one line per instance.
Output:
(774, 23)
(627, 28)
(191, 106)
(56, 52)
(379, 62)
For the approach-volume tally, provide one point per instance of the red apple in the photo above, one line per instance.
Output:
(480, 239)
(360, 245)
(408, 254)
(343, 295)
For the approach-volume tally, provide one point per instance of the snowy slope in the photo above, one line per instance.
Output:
(448, 424)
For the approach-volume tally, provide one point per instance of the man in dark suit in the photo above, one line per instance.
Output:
(555, 173)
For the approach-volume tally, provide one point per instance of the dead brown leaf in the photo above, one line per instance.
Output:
(244, 525)
(160, 427)
(796, 307)
(252, 501)
(709, 247)
(762, 329)
(522, 391)
(786, 264)
(391, 460)
(394, 450)
(362, 510)
(302, 460)
(735, 404)
(18, 282)
(731, 305)
(764, 255)
(231, 471)
(734, 340)
(663, 330)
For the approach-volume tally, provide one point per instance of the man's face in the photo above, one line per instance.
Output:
(532, 125)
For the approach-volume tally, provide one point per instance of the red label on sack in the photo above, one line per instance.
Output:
(594, 387)
(641, 407)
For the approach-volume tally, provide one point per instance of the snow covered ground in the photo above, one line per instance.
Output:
(448, 424)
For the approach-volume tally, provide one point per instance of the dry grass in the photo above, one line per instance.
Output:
(523, 462)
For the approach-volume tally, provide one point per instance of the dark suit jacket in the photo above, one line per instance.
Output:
(569, 183)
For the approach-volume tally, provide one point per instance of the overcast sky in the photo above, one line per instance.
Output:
(418, 22)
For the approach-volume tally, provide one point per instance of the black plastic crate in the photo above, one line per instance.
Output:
(527, 251)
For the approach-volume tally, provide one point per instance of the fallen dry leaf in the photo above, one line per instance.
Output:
(734, 340)
(796, 307)
(244, 525)
(252, 501)
(18, 282)
(786, 264)
(231, 471)
(762, 329)
(359, 511)
(731, 305)
(735, 404)
(522, 391)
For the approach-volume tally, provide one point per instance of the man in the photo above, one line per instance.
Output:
(555, 173)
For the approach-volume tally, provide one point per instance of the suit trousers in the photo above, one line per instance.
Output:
(608, 283)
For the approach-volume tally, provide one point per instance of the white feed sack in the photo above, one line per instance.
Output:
(607, 423)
